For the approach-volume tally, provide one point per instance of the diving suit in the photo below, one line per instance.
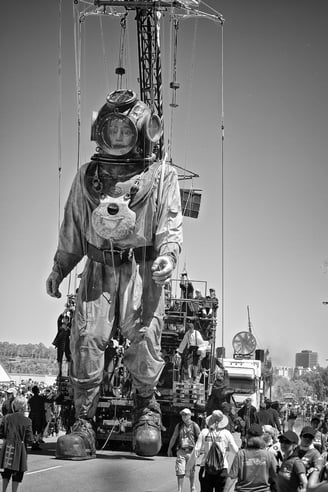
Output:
(124, 213)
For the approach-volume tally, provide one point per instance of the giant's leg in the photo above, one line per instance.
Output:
(91, 330)
(142, 312)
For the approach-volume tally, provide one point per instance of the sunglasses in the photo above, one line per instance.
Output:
(307, 436)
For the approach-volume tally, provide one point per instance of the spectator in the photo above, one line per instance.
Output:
(291, 420)
(272, 444)
(37, 415)
(11, 394)
(248, 415)
(215, 432)
(312, 459)
(229, 411)
(264, 417)
(320, 439)
(221, 392)
(274, 413)
(16, 430)
(292, 473)
(184, 437)
(253, 468)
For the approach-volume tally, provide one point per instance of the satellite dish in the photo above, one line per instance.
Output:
(244, 343)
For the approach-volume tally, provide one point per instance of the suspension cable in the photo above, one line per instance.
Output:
(120, 70)
(222, 196)
(60, 108)
(77, 53)
(104, 51)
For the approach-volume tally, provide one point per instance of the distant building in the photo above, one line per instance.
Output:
(306, 359)
(283, 371)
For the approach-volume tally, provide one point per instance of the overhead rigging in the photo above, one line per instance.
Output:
(148, 15)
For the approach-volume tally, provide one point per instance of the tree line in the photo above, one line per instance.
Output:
(28, 358)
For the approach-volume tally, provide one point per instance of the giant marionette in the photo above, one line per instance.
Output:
(124, 213)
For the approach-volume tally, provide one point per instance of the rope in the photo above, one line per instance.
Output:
(222, 196)
(60, 108)
(77, 53)
(104, 51)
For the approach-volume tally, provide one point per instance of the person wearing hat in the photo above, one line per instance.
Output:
(185, 435)
(292, 473)
(215, 432)
(312, 459)
(253, 467)
(11, 394)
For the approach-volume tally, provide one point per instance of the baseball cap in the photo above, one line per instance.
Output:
(289, 436)
(255, 430)
(307, 430)
(185, 411)
(12, 390)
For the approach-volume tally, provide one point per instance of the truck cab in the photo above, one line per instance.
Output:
(245, 379)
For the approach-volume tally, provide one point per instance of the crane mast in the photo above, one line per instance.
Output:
(150, 70)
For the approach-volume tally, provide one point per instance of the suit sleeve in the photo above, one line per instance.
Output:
(168, 235)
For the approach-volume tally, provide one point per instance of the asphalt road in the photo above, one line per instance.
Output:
(111, 471)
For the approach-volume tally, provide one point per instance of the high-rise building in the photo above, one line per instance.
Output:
(306, 359)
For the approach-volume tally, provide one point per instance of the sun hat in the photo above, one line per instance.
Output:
(289, 436)
(269, 429)
(185, 411)
(217, 417)
(12, 390)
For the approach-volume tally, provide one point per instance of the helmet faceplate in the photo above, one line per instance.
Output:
(125, 127)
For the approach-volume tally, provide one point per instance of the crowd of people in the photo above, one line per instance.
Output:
(28, 414)
(265, 455)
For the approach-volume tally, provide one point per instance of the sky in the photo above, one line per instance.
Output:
(261, 236)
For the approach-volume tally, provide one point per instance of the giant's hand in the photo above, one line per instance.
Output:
(162, 269)
(52, 284)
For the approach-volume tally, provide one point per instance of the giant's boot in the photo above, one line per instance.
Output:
(147, 426)
(80, 444)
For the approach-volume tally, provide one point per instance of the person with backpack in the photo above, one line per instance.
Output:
(184, 436)
(215, 441)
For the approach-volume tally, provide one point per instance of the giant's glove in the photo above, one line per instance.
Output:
(162, 269)
(63, 265)
(52, 284)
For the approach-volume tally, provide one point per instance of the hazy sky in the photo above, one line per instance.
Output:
(275, 170)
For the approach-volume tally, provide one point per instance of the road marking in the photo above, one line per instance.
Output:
(44, 469)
